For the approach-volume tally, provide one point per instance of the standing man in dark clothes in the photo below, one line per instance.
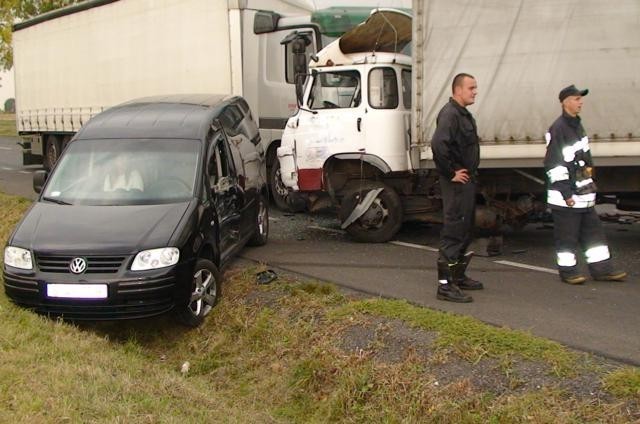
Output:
(571, 195)
(456, 153)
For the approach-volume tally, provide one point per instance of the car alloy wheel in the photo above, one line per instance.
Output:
(205, 293)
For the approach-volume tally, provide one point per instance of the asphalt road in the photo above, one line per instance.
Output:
(522, 288)
(14, 177)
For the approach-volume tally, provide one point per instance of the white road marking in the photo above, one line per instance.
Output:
(24, 172)
(532, 267)
(508, 263)
(329, 230)
(415, 246)
(274, 219)
(5, 148)
(4, 168)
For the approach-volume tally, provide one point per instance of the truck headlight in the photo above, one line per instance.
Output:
(17, 257)
(155, 258)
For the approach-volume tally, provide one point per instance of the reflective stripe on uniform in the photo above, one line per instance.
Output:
(547, 137)
(583, 183)
(566, 259)
(569, 152)
(554, 197)
(559, 173)
(597, 254)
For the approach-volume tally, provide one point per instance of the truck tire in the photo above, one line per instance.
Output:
(381, 222)
(65, 140)
(279, 192)
(52, 150)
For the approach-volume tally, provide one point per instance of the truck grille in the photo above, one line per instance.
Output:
(95, 264)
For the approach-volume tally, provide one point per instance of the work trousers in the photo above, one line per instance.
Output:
(458, 212)
(573, 228)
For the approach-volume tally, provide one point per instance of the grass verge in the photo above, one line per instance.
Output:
(297, 352)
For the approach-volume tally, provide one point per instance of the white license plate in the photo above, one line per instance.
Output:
(77, 291)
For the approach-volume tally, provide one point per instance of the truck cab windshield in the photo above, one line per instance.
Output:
(125, 172)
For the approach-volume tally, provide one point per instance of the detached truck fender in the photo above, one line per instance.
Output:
(288, 171)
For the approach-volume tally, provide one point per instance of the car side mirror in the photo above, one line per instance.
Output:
(39, 178)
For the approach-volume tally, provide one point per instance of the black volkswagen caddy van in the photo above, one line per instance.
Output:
(147, 202)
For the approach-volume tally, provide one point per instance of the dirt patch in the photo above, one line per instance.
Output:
(392, 341)
(388, 341)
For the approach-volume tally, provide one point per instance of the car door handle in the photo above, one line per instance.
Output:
(358, 122)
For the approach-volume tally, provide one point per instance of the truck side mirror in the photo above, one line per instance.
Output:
(265, 21)
(39, 178)
(298, 42)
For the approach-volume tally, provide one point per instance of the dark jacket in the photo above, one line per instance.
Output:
(568, 164)
(455, 141)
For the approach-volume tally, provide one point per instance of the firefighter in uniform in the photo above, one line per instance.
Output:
(456, 153)
(571, 195)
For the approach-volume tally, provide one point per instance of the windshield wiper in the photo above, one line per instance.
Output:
(315, 112)
(58, 201)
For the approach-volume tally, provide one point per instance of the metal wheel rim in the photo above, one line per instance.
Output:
(204, 294)
(279, 186)
(369, 223)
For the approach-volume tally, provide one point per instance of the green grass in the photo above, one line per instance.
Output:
(8, 125)
(624, 382)
(274, 354)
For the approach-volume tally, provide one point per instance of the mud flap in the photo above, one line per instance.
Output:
(362, 207)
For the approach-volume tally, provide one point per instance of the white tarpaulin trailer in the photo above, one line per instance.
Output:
(522, 53)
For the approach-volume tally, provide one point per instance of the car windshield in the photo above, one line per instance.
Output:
(125, 172)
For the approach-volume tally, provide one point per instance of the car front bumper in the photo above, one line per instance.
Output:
(147, 294)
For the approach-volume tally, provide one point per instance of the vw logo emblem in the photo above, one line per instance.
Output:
(77, 265)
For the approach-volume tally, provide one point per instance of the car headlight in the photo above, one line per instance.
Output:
(155, 258)
(17, 257)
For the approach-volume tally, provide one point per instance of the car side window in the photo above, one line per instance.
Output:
(231, 119)
(220, 165)
(248, 126)
(236, 119)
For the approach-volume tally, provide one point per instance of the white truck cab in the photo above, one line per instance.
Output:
(353, 124)
(354, 109)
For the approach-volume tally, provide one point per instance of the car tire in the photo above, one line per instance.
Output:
(382, 220)
(261, 232)
(52, 151)
(205, 294)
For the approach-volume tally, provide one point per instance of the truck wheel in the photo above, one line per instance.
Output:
(65, 140)
(279, 192)
(381, 221)
(205, 293)
(261, 234)
(52, 151)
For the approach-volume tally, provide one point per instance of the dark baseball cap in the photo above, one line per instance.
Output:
(572, 91)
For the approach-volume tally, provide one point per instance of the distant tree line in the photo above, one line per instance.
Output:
(12, 11)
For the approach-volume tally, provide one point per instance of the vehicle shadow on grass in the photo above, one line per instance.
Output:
(145, 332)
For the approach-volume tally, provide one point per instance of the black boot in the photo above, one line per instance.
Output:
(450, 291)
(465, 282)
